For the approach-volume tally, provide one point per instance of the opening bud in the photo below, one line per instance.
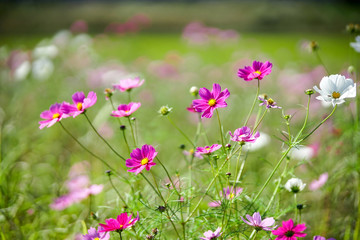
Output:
(194, 91)
(309, 92)
(351, 70)
(165, 110)
(314, 46)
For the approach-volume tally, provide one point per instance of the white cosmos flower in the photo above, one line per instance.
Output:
(294, 185)
(335, 88)
(356, 45)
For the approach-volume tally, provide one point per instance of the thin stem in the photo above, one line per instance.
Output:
(92, 126)
(296, 210)
(126, 142)
(305, 121)
(113, 107)
(180, 131)
(168, 175)
(262, 117)
(221, 132)
(132, 131)
(87, 150)
(253, 105)
(117, 192)
(238, 173)
(120, 235)
(321, 61)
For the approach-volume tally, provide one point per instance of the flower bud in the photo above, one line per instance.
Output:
(161, 209)
(350, 28)
(228, 146)
(300, 206)
(309, 92)
(228, 174)
(150, 237)
(108, 92)
(133, 118)
(182, 146)
(351, 70)
(287, 117)
(314, 46)
(108, 172)
(165, 110)
(122, 127)
(194, 91)
(154, 231)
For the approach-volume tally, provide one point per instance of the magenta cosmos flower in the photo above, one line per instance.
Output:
(258, 70)
(51, 116)
(141, 158)
(288, 231)
(122, 222)
(211, 100)
(244, 135)
(126, 110)
(227, 193)
(258, 224)
(128, 84)
(94, 234)
(210, 235)
(80, 103)
(208, 149)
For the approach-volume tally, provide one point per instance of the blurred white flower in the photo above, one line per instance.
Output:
(62, 38)
(302, 153)
(22, 71)
(260, 142)
(49, 51)
(356, 45)
(42, 68)
(294, 185)
(335, 88)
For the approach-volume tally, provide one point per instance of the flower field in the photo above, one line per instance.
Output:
(207, 133)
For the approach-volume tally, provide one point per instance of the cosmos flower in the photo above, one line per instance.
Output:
(258, 70)
(191, 152)
(228, 193)
(94, 234)
(258, 224)
(53, 115)
(356, 45)
(141, 158)
(318, 183)
(268, 102)
(244, 135)
(335, 88)
(128, 84)
(208, 149)
(322, 238)
(122, 222)
(125, 110)
(80, 103)
(210, 100)
(210, 235)
(294, 185)
(288, 231)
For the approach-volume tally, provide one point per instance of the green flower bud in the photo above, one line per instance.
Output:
(165, 110)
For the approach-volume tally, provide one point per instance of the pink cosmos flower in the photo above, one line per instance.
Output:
(191, 152)
(191, 108)
(122, 222)
(128, 84)
(126, 110)
(80, 103)
(211, 100)
(269, 103)
(210, 235)
(207, 149)
(258, 70)
(53, 115)
(258, 224)
(322, 238)
(227, 193)
(316, 184)
(141, 158)
(244, 135)
(94, 234)
(288, 231)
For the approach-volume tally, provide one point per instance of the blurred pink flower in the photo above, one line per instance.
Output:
(126, 110)
(128, 84)
(258, 224)
(210, 235)
(243, 135)
(318, 183)
(191, 152)
(228, 193)
(79, 26)
(94, 234)
(207, 149)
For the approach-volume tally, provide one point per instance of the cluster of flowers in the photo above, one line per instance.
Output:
(333, 89)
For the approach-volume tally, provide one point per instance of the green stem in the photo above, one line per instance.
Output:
(253, 105)
(113, 107)
(321, 61)
(262, 117)
(132, 131)
(117, 192)
(87, 150)
(92, 126)
(126, 142)
(221, 132)
(180, 131)
(296, 210)
(120, 235)
(168, 175)
(238, 173)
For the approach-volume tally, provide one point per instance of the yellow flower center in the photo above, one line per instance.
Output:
(79, 106)
(270, 101)
(258, 72)
(121, 226)
(96, 238)
(212, 102)
(231, 196)
(144, 161)
(207, 149)
(191, 151)
(335, 94)
(56, 115)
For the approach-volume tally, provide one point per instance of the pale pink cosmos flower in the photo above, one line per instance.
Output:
(258, 70)
(128, 84)
(228, 193)
(94, 234)
(208, 149)
(211, 100)
(126, 110)
(243, 135)
(258, 224)
(268, 102)
(141, 158)
(318, 183)
(288, 231)
(210, 235)
(191, 152)
(322, 238)
(80, 103)
(122, 222)
(53, 115)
